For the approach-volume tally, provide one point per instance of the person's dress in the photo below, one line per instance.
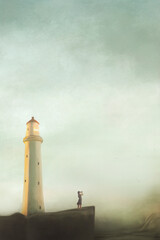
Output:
(79, 199)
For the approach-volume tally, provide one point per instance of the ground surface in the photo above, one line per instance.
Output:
(127, 236)
(73, 224)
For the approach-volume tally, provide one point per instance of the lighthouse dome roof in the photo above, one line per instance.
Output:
(32, 120)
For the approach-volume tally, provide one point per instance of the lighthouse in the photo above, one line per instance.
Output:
(32, 191)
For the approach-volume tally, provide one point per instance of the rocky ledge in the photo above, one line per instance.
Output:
(73, 224)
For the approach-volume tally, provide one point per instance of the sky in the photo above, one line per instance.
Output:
(88, 71)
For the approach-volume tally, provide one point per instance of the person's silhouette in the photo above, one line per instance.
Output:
(79, 203)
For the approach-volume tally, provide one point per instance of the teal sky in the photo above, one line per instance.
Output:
(88, 71)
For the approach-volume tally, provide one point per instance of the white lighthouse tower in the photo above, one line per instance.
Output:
(32, 192)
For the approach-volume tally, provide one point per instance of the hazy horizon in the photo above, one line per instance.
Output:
(88, 71)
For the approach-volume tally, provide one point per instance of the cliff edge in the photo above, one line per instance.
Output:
(73, 224)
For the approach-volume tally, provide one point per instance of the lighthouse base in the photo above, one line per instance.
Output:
(74, 224)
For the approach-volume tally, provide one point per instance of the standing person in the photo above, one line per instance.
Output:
(79, 203)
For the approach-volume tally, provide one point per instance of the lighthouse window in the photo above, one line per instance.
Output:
(38, 183)
(39, 207)
(38, 163)
(26, 155)
(25, 180)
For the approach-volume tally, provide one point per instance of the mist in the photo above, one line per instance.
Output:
(88, 71)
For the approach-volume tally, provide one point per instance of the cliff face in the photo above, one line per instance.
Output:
(75, 224)
(13, 227)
